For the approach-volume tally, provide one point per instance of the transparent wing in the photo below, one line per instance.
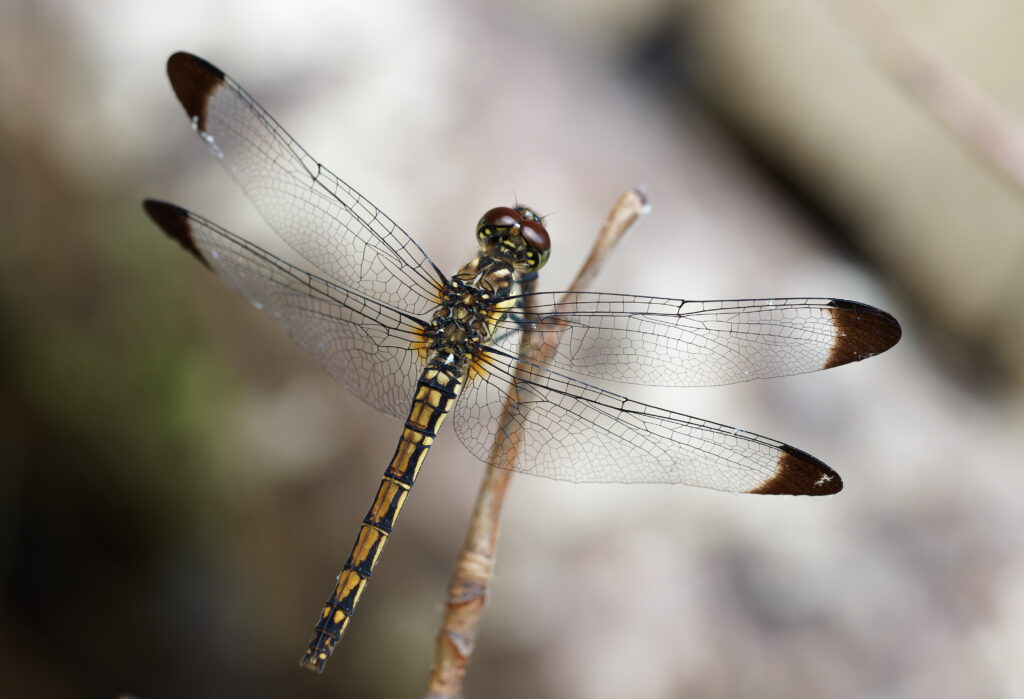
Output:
(671, 342)
(321, 217)
(565, 429)
(368, 347)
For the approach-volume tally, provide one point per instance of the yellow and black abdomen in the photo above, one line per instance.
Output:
(436, 391)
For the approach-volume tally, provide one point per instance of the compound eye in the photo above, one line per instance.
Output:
(536, 235)
(500, 217)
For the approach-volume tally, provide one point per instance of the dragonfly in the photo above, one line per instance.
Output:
(368, 303)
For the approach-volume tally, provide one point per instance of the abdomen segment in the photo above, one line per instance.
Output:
(436, 390)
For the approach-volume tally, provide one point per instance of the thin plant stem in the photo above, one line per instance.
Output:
(996, 137)
(467, 591)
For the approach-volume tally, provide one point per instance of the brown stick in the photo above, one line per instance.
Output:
(970, 115)
(467, 591)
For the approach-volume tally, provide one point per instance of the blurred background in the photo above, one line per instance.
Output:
(180, 484)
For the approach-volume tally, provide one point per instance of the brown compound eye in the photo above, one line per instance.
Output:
(536, 235)
(500, 217)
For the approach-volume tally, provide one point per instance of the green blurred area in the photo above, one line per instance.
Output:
(123, 507)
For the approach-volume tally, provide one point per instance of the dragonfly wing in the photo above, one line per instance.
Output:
(321, 217)
(565, 429)
(368, 347)
(671, 342)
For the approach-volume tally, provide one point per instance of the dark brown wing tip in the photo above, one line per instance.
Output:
(861, 331)
(799, 473)
(193, 80)
(174, 220)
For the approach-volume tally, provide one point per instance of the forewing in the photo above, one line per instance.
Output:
(671, 342)
(564, 429)
(321, 217)
(368, 347)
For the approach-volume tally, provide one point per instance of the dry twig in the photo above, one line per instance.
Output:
(969, 114)
(468, 589)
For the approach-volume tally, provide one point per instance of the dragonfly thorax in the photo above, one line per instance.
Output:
(472, 303)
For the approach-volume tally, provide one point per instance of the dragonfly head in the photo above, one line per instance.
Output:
(516, 235)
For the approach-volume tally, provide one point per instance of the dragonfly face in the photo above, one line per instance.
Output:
(390, 326)
(516, 235)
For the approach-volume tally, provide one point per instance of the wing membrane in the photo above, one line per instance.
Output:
(671, 342)
(565, 429)
(368, 347)
(320, 216)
